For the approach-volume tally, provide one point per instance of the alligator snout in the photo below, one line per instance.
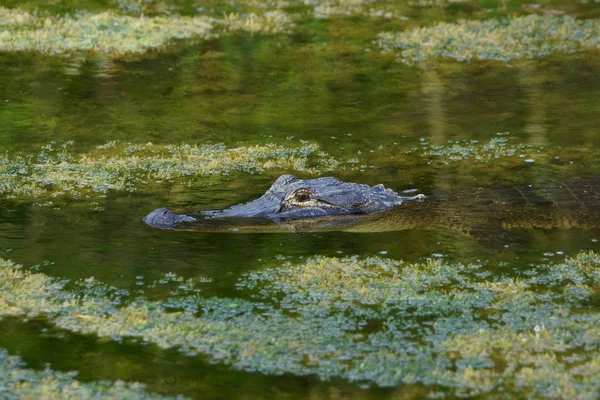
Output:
(163, 218)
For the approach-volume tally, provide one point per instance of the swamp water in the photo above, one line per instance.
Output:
(99, 127)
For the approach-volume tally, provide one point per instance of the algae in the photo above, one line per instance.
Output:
(475, 151)
(503, 40)
(58, 172)
(149, 26)
(352, 8)
(17, 382)
(438, 323)
(105, 32)
(119, 35)
(454, 329)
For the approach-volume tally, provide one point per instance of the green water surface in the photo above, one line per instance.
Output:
(326, 82)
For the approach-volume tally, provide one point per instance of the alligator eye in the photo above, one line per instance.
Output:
(302, 196)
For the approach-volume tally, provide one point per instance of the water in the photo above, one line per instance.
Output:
(318, 84)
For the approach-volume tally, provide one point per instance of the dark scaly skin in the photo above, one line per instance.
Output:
(292, 198)
(574, 203)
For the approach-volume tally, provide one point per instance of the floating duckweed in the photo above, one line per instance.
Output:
(182, 286)
(57, 172)
(17, 382)
(324, 9)
(104, 33)
(472, 150)
(501, 40)
(274, 21)
(413, 290)
(375, 321)
(118, 35)
(144, 7)
(431, 3)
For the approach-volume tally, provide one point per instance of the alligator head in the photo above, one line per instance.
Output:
(292, 198)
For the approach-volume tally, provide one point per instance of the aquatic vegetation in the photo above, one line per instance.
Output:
(56, 171)
(473, 150)
(145, 7)
(119, 35)
(270, 22)
(324, 9)
(106, 32)
(376, 321)
(427, 3)
(401, 289)
(501, 40)
(17, 382)
(436, 326)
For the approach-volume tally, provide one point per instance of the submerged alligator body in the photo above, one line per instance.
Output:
(326, 204)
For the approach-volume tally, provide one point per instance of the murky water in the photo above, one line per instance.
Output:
(326, 83)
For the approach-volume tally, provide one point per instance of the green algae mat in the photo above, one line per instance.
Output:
(110, 109)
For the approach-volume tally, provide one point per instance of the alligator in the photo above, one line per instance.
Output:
(290, 198)
(326, 204)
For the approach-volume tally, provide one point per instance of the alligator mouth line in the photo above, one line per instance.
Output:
(322, 204)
